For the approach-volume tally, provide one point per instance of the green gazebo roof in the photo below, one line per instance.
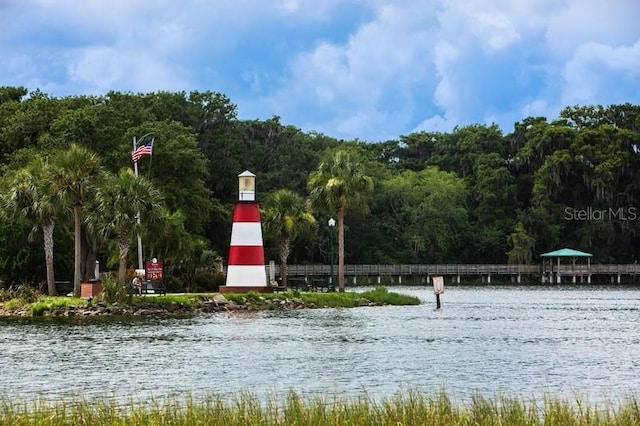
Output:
(566, 252)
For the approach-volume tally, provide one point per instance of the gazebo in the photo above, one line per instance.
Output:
(565, 253)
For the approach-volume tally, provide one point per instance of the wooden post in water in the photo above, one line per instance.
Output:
(438, 289)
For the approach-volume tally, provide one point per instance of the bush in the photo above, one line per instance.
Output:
(174, 284)
(24, 292)
(205, 281)
(7, 294)
(381, 295)
(27, 293)
(109, 286)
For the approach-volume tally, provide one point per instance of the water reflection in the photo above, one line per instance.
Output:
(520, 340)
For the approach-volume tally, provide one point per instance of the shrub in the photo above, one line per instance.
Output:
(205, 281)
(382, 295)
(7, 294)
(109, 286)
(27, 293)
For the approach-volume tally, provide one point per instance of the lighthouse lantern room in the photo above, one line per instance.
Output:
(247, 186)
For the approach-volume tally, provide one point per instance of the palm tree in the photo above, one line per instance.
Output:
(74, 175)
(30, 195)
(340, 185)
(286, 217)
(118, 203)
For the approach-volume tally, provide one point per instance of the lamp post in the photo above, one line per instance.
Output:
(332, 224)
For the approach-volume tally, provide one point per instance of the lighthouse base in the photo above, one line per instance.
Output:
(244, 289)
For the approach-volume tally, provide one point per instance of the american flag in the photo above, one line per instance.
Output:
(141, 151)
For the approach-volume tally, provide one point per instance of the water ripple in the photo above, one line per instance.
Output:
(521, 340)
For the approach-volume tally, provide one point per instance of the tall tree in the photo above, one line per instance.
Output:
(286, 217)
(521, 246)
(74, 175)
(340, 185)
(427, 214)
(30, 195)
(119, 201)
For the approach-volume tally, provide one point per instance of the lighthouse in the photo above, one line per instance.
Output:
(245, 266)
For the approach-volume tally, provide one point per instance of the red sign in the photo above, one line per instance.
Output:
(154, 270)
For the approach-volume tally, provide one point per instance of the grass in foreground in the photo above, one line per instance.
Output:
(406, 408)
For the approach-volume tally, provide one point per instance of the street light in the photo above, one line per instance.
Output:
(332, 224)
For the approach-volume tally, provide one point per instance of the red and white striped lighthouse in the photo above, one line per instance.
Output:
(245, 266)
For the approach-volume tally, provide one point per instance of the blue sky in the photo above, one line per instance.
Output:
(366, 69)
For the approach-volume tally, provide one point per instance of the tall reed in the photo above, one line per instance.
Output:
(410, 407)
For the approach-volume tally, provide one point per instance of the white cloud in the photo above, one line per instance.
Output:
(99, 70)
(539, 108)
(369, 69)
(436, 123)
(577, 22)
(598, 71)
(498, 60)
(352, 82)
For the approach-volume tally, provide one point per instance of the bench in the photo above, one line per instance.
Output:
(64, 287)
(298, 283)
(314, 284)
(153, 287)
(322, 284)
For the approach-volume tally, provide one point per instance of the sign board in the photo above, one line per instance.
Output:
(438, 285)
(154, 270)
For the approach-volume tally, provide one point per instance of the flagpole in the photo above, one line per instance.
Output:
(135, 169)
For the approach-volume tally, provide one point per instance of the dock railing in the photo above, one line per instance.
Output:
(461, 269)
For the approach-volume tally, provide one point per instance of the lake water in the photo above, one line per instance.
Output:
(521, 341)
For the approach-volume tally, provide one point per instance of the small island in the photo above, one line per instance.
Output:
(35, 305)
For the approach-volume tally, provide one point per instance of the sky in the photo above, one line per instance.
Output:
(351, 69)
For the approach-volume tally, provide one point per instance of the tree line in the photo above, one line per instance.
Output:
(472, 195)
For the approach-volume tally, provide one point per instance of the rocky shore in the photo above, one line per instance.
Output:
(217, 303)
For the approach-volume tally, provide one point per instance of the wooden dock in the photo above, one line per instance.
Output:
(545, 273)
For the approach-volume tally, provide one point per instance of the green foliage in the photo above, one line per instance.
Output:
(427, 211)
(27, 293)
(341, 186)
(109, 283)
(184, 300)
(287, 218)
(521, 246)
(21, 259)
(50, 304)
(7, 294)
(204, 281)
(13, 304)
(380, 296)
(437, 197)
(36, 304)
(121, 205)
(333, 300)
